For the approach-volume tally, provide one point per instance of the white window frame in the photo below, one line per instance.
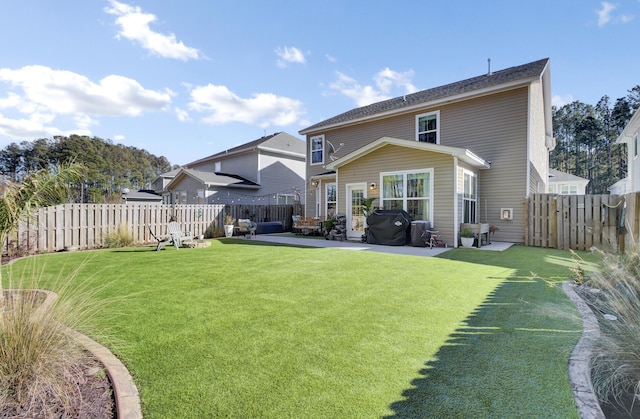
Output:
(567, 189)
(405, 199)
(287, 198)
(327, 202)
(437, 130)
(465, 200)
(312, 150)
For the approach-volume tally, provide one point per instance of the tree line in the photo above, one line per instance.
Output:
(585, 146)
(585, 139)
(108, 167)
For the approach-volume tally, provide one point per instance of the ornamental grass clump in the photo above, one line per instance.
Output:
(614, 295)
(120, 237)
(39, 360)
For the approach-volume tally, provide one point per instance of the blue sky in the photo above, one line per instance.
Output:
(191, 78)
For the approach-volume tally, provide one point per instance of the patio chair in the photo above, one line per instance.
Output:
(177, 236)
(162, 240)
(246, 226)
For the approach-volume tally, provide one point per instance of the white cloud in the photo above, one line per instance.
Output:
(330, 58)
(134, 25)
(386, 82)
(289, 55)
(38, 95)
(182, 115)
(559, 101)
(263, 109)
(605, 15)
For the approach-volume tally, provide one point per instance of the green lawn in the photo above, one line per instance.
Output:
(250, 329)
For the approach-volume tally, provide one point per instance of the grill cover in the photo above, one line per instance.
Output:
(389, 227)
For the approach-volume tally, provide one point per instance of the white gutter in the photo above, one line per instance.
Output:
(455, 202)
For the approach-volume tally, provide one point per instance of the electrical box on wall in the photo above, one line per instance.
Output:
(506, 213)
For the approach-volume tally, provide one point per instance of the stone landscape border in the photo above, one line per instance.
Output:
(580, 359)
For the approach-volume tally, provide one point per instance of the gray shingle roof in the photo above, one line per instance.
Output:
(486, 81)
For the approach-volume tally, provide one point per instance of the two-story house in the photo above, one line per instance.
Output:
(470, 151)
(269, 170)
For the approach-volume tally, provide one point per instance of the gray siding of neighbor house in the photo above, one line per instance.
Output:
(190, 185)
(494, 127)
(392, 158)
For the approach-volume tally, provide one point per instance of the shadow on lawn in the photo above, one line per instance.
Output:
(485, 368)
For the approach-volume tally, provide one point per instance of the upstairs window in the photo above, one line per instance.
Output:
(428, 127)
(317, 149)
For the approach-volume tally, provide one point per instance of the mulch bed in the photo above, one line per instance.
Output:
(93, 397)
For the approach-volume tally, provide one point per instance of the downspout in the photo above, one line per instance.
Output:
(527, 186)
(455, 202)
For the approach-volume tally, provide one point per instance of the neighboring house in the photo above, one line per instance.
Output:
(566, 184)
(470, 151)
(630, 136)
(160, 184)
(269, 170)
(141, 197)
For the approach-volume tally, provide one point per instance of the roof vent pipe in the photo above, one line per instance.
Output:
(488, 66)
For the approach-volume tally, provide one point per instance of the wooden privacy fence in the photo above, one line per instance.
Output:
(579, 222)
(86, 226)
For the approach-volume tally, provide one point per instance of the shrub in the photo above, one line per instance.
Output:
(121, 237)
(38, 358)
(614, 295)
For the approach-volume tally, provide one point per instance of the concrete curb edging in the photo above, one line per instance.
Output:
(579, 361)
(125, 391)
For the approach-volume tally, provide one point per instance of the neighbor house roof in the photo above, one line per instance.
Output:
(279, 142)
(558, 176)
(142, 196)
(461, 153)
(214, 179)
(486, 83)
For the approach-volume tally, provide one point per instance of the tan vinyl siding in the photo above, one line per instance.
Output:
(494, 127)
(391, 158)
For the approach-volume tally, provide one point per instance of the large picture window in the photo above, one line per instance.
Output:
(317, 149)
(470, 198)
(409, 191)
(428, 127)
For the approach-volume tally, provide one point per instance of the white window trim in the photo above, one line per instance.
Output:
(474, 176)
(417, 124)
(326, 198)
(324, 148)
(404, 199)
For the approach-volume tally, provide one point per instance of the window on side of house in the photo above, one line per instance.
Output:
(317, 149)
(411, 191)
(428, 127)
(331, 199)
(470, 198)
(285, 199)
(566, 189)
(635, 145)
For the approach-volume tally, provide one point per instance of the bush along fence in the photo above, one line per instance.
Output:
(579, 222)
(86, 226)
